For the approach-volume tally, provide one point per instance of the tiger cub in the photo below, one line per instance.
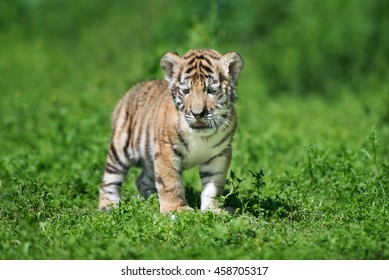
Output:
(167, 126)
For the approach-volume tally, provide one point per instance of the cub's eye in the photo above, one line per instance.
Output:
(185, 91)
(211, 90)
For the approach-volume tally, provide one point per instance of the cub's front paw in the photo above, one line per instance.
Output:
(177, 208)
(106, 205)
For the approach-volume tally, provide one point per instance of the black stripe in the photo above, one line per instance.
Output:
(159, 180)
(112, 171)
(108, 192)
(111, 184)
(189, 55)
(147, 144)
(136, 104)
(206, 68)
(178, 171)
(126, 148)
(222, 78)
(207, 60)
(133, 126)
(214, 57)
(111, 157)
(115, 168)
(127, 144)
(138, 137)
(192, 60)
(157, 155)
(190, 69)
(206, 174)
(178, 104)
(224, 139)
(182, 140)
(222, 153)
(117, 159)
(111, 166)
(180, 73)
(177, 152)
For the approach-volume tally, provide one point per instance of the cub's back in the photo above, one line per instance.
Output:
(142, 99)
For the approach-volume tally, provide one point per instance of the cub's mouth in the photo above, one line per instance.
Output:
(200, 124)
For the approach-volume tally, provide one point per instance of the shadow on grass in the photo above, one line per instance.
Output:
(266, 207)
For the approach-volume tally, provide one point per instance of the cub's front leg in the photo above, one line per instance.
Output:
(167, 168)
(213, 175)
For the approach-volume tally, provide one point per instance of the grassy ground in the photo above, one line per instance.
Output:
(309, 180)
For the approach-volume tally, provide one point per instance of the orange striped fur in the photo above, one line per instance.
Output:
(167, 126)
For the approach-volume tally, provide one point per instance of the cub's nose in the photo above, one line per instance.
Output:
(199, 114)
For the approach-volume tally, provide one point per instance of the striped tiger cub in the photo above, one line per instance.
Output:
(167, 126)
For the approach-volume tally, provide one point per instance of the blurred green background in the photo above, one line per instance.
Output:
(313, 69)
(298, 47)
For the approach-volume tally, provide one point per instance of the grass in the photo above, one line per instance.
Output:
(309, 179)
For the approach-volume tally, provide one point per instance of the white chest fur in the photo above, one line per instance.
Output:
(202, 148)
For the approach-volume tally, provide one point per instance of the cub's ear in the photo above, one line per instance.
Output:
(169, 64)
(232, 64)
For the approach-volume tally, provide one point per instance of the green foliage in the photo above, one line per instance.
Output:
(310, 170)
(296, 46)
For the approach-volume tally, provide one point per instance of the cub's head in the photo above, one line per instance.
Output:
(203, 85)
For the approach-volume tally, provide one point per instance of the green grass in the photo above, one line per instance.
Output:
(310, 172)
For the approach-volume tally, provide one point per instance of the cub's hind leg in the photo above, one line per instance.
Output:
(116, 168)
(146, 182)
(118, 159)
